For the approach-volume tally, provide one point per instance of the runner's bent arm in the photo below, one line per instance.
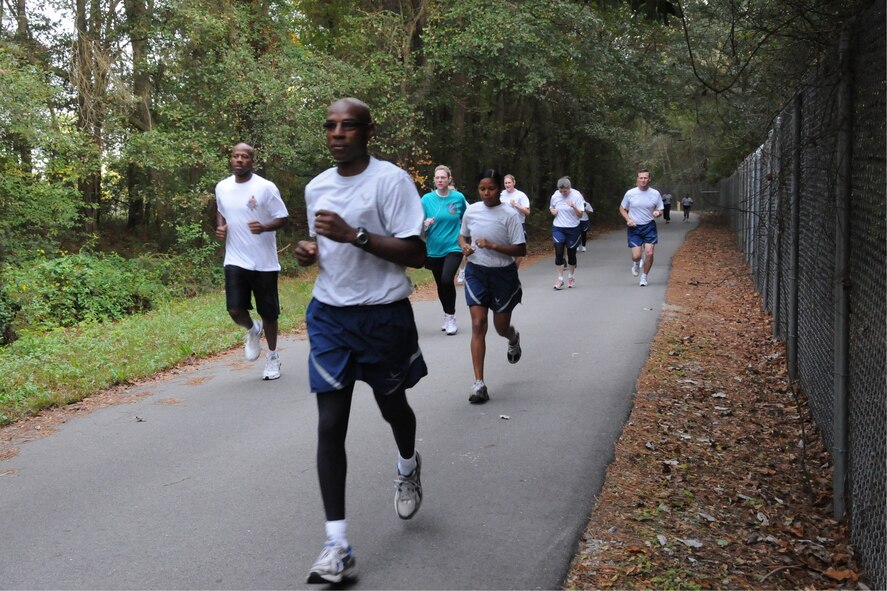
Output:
(624, 213)
(409, 251)
(257, 227)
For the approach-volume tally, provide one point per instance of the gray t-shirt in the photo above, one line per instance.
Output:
(500, 224)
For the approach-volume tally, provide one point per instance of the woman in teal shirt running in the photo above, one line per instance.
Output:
(444, 208)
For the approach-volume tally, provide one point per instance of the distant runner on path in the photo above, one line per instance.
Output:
(567, 206)
(249, 211)
(686, 204)
(640, 207)
(517, 199)
(584, 224)
(366, 217)
(666, 202)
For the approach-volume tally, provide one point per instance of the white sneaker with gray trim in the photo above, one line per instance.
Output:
(253, 345)
(408, 493)
(334, 564)
(272, 366)
(450, 324)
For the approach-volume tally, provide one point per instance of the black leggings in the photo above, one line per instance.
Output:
(559, 254)
(333, 411)
(444, 271)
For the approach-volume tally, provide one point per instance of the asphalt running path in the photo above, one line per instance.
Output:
(209, 481)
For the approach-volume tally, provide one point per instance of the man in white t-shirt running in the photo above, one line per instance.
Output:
(249, 211)
(367, 221)
(640, 207)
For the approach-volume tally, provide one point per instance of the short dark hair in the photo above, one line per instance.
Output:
(647, 170)
(491, 173)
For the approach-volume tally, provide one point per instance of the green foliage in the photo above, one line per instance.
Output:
(71, 289)
(60, 367)
(193, 267)
(8, 310)
(40, 160)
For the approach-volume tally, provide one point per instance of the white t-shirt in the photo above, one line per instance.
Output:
(240, 203)
(566, 217)
(500, 224)
(384, 200)
(522, 200)
(585, 211)
(641, 204)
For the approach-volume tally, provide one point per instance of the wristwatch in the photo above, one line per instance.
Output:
(362, 238)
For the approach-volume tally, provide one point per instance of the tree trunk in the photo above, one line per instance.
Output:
(141, 119)
(22, 38)
(90, 78)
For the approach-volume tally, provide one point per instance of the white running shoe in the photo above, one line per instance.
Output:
(443, 325)
(514, 351)
(408, 496)
(253, 346)
(479, 393)
(334, 564)
(559, 284)
(450, 324)
(643, 281)
(460, 278)
(582, 249)
(636, 269)
(272, 366)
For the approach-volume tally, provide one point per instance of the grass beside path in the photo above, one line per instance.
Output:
(65, 366)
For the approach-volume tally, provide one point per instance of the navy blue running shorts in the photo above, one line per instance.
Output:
(496, 288)
(640, 235)
(568, 236)
(376, 344)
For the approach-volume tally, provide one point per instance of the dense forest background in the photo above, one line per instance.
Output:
(117, 116)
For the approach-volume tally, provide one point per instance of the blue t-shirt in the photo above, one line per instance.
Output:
(442, 236)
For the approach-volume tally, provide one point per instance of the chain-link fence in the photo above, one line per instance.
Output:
(809, 209)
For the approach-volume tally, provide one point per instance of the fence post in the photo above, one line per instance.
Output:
(794, 231)
(842, 280)
(767, 226)
(776, 220)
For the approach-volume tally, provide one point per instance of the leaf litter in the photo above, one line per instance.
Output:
(714, 484)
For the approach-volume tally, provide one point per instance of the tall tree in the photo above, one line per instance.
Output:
(93, 57)
(139, 177)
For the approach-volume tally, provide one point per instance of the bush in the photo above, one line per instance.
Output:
(195, 266)
(8, 309)
(71, 289)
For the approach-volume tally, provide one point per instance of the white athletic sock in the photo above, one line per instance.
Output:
(406, 466)
(336, 531)
(256, 328)
(560, 278)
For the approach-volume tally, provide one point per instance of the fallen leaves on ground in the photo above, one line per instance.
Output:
(720, 479)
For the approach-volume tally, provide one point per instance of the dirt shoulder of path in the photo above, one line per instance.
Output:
(720, 479)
